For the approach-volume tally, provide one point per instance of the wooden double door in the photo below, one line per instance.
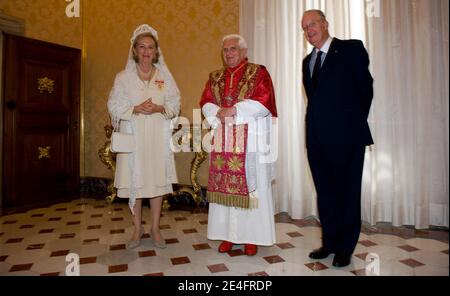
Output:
(41, 115)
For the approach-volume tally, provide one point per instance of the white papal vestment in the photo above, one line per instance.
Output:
(248, 226)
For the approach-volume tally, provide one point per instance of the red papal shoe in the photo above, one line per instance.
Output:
(251, 250)
(225, 247)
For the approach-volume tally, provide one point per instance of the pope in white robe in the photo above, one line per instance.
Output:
(239, 104)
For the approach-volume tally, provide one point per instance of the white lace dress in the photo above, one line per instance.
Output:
(153, 161)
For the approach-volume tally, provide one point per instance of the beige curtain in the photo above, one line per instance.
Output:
(406, 172)
(271, 30)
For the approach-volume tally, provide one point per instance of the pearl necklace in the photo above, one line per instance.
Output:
(146, 76)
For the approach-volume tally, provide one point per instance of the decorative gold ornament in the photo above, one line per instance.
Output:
(44, 152)
(196, 190)
(109, 159)
(46, 84)
(235, 164)
(219, 162)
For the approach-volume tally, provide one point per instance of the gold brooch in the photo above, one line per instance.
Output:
(159, 84)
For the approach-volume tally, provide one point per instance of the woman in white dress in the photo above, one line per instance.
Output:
(142, 102)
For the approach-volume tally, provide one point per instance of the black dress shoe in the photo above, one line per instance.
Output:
(321, 253)
(341, 260)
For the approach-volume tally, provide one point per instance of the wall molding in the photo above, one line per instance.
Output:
(11, 25)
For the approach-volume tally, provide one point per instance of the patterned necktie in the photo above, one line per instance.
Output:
(316, 71)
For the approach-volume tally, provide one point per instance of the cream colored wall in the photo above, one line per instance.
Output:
(190, 33)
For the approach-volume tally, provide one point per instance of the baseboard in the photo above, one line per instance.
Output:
(94, 185)
(97, 186)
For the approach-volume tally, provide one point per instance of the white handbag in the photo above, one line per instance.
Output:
(122, 142)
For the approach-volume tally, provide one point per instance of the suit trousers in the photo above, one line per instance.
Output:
(337, 174)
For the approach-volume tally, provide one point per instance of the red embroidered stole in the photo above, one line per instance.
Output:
(227, 183)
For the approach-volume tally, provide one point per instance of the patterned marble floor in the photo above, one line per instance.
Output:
(37, 243)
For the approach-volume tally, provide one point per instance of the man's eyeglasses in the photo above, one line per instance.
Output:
(230, 49)
(312, 25)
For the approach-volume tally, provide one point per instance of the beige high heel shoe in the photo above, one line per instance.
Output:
(159, 244)
(135, 243)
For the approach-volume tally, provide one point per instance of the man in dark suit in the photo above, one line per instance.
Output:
(339, 88)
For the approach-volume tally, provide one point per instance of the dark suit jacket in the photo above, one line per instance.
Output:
(337, 111)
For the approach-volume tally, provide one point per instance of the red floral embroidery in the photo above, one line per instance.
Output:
(227, 170)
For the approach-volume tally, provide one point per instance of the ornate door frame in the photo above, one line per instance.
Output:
(16, 26)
